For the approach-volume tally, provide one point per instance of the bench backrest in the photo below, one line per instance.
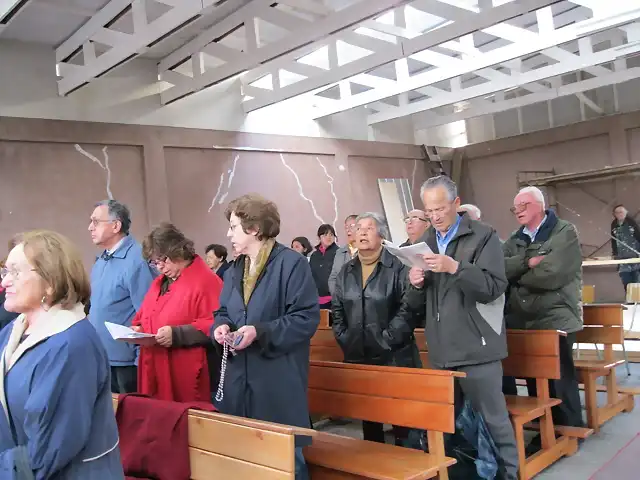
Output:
(324, 317)
(324, 346)
(235, 447)
(409, 397)
(533, 354)
(603, 323)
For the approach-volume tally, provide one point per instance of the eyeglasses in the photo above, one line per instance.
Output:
(96, 221)
(15, 274)
(365, 229)
(158, 261)
(521, 207)
(350, 227)
(414, 218)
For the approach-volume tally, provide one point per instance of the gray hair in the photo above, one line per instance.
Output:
(441, 181)
(118, 211)
(381, 223)
(536, 192)
(471, 209)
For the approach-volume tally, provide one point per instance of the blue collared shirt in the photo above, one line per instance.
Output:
(443, 241)
(532, 234)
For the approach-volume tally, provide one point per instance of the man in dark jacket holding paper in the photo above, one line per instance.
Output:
(543, 262)
(462, 294)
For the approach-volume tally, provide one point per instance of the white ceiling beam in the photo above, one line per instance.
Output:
(489, 88)
(301, 33)
(519, 102)
(498, 56)
(445, 33)
(86, 31)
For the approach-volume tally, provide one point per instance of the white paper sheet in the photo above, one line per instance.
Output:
(410, 255)
(126, 334)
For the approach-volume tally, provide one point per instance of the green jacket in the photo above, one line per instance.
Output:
(547, 296)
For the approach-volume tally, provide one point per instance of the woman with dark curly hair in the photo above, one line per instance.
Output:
(178, 310)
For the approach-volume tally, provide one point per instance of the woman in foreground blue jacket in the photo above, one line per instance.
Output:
(57, 418)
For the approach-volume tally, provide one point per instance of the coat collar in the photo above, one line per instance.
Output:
(544, 232)
(49, 323)
(238, 267)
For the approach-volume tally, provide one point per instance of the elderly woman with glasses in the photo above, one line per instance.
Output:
(57, 416)
(269, 306)
(178, 310)
(370, 322)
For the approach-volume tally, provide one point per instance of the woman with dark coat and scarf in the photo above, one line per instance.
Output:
(267, 316)
(321, 262)
(370, 322)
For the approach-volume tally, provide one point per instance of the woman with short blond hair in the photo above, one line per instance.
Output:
(57, 419)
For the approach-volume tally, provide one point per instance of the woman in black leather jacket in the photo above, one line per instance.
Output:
(370, 322)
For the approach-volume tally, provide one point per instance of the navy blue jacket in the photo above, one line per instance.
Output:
(268, 380)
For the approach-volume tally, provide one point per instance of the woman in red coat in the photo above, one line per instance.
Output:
(178, 310)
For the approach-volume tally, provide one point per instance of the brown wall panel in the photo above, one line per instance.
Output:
(54, 186)
(490, 181)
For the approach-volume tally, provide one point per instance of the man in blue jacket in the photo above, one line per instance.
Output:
(120, 279)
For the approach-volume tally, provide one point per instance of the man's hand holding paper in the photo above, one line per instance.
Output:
(440, 263)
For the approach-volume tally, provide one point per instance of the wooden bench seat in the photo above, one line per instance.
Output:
(533, 407)
(235, 447)
(362, 459)
(603, 324)
(409, 397)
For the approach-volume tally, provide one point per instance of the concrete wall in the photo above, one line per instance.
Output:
(491, 170)
(52, 173)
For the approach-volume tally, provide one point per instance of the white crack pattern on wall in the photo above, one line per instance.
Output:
(413, 175)
(301, 190)
(104, 166)
(217, 198)
(333, 193)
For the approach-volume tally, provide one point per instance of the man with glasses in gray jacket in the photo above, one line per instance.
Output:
(460, 290)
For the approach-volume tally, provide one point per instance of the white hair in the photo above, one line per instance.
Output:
(381, 224)
(441, 181)
(536, 192)
(473, 211)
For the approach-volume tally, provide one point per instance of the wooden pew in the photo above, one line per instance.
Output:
(223, 446)
(324, 318)
(324, 345)
(409, 397)
(603, 324)
(536, 354)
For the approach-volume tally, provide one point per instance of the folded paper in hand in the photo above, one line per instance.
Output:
(126, 334)
(411, 255)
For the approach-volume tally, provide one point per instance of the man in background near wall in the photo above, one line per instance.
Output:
(473, 211)
(416, 223)
(120, 278)
(543, 261)
(346, 253)
(625, 243)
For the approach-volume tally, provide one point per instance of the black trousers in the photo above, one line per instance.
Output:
(629, 277)
(483, 387)
(124, 379)
(569, 412)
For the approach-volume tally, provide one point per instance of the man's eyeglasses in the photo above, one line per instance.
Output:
(414, 219)
(521, 207)
(15, 274)
(96, 221)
